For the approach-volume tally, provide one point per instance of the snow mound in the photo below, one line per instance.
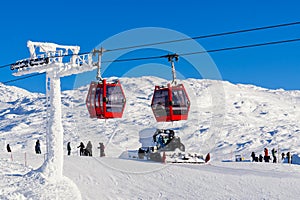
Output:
(20, 182)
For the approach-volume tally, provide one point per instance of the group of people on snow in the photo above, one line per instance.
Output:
(37, 147)
(267, 158)
(85, 151)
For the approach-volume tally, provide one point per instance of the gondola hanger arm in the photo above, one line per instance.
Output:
(171, 58)
(99, 53)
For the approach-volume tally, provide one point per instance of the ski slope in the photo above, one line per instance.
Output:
(112, 178)
(225, 120)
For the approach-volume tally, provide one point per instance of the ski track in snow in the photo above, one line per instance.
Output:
(225, 119)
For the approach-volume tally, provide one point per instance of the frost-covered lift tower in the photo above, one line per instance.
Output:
(52, 59)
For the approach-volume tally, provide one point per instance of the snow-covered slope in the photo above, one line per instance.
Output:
(225, 119)
(138, 180)
(112, 178)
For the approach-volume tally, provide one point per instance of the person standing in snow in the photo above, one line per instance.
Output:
(274, 155)
(38, 147)
(81, 150)
(282, 156)
(101, 147)
(8, 148)
(260, 158)
(207, 158)
(253, 156)
(288, 155)
(69, 148)
(89, 148)
(266, 157)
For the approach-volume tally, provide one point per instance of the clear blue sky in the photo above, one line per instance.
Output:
(88, 23)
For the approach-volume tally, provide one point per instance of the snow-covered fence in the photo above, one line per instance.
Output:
(24, 158)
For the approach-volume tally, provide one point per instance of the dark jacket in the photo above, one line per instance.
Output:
(69, 146)
(8, 148)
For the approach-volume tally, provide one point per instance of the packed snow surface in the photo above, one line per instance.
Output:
(225, 120)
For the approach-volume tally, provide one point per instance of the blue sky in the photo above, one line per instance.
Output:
(88, 23)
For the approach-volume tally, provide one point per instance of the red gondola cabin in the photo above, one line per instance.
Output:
(105, 100)
(170, 103)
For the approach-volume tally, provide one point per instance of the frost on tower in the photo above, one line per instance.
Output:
(52, 59)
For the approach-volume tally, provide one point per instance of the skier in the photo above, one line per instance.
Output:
(266, 157)
(81, 150)
(8, 148)
(89, 148)
(260, 158)
(38, 147)
(69, 148)
(274, 155)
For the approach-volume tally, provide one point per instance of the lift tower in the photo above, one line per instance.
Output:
(53, 60)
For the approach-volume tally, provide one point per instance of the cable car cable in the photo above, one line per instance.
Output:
(21, 78)
(242, 47)
(208, 36)
(7, 65)
(208, 51)
(184, 54)
(185, 39)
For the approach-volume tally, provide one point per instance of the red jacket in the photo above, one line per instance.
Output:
(266, 152)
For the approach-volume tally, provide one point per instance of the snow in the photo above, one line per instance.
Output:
(139, 180)
(112, 178)
(19, 181)
(225, 120)
(48, 47)
(53, 165)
